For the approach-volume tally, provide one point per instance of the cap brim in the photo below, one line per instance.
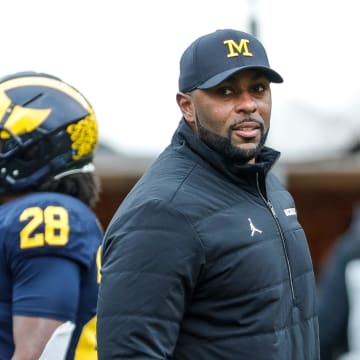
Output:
(272, 75)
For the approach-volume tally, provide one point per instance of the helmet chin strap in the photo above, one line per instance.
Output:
(88, 168)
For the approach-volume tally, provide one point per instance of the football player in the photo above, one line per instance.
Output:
(49, 234)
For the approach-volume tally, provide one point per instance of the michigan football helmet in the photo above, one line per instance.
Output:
(48, 129)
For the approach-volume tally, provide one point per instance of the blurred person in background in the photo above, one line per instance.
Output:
(49, 235)
(205, 258)
(339, 297)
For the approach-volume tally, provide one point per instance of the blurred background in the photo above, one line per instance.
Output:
(124, 56)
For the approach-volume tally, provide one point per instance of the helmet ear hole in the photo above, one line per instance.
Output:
(30, 154)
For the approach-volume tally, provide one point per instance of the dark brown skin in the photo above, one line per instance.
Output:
(239, 109)
(31, 335)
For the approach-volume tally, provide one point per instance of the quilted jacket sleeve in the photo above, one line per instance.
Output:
(151, 261)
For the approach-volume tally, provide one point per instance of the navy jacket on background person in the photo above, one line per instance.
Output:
(334, 299)
(207, 261)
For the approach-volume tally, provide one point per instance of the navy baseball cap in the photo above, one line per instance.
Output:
(214, 57)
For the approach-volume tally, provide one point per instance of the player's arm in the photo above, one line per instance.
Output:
(31, 334)
(46, 294)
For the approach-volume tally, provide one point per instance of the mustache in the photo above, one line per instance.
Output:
(238, 123)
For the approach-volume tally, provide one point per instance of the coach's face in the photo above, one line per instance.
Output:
(233, 118)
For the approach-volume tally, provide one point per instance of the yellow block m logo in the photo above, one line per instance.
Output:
(237, 49)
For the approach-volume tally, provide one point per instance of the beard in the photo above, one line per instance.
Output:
(224, 146)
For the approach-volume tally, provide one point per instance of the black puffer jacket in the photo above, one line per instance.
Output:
(206, 261)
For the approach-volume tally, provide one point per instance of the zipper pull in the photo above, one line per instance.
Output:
(271, 208)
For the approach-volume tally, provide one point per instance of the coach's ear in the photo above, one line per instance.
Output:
(187, 108)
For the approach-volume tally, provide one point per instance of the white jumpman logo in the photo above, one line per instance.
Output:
(253, 228)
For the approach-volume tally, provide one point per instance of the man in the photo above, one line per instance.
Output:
(339, 296)
(49, 236)
(205, 258)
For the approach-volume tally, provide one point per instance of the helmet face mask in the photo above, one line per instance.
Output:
(46, 127)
